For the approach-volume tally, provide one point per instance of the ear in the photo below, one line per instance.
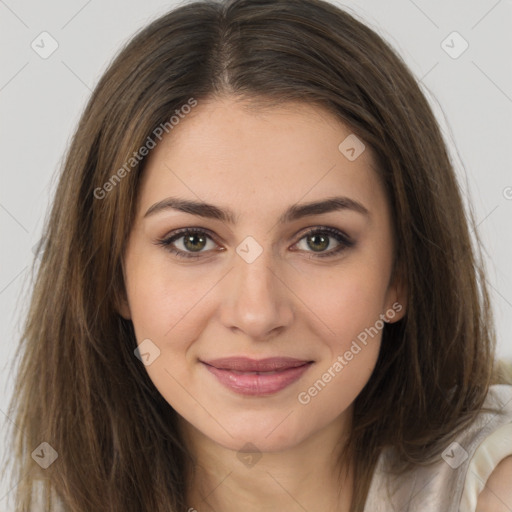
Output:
(121, 303)
(396, 297)
(122, 307)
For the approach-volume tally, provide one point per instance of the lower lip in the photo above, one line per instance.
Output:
(263, 383)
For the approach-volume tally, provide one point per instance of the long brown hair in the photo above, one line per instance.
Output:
(79, 386)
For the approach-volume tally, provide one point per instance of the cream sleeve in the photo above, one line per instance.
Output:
(491, 451)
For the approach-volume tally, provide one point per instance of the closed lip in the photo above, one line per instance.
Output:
(246, 364)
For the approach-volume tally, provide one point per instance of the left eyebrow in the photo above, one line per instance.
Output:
(293, 213)
(331, 204)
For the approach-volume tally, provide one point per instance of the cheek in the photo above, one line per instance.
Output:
(170, 306)
(163, 299)
(352, 310)
(346, 302)
(166, 308)
(349, 304)
(334, 387)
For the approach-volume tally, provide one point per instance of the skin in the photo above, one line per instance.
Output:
(287, 302)
(497, 493)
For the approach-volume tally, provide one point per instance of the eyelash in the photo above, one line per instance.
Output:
(344, 241)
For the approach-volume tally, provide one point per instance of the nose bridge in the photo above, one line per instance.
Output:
(255, 267)
(257, 302)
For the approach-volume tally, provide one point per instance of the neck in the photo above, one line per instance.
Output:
(312, 475)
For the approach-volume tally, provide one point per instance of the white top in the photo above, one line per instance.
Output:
(454, 483)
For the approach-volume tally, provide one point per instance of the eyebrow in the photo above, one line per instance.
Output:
(294, 212)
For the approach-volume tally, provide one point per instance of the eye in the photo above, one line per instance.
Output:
(319, 239)
(190, 241)
(193, 242)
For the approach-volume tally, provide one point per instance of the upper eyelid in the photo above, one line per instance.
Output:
(177, 234)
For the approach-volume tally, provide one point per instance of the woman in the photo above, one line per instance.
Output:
(258, 286)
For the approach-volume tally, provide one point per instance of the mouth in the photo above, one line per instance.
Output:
(257, 377)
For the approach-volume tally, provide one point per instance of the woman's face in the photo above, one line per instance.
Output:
(251, 283)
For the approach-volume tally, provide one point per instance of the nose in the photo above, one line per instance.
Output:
(257, 299)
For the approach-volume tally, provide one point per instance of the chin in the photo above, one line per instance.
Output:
(254, 440)
(267, 432)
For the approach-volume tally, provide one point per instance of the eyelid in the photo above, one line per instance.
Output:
(334, 232)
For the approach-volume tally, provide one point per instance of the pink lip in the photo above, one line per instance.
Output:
(273, 374)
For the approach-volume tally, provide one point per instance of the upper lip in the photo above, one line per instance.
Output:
(245, 364)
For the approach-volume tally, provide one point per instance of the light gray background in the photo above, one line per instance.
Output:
(41, 100)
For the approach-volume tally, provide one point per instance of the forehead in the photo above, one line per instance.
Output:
(256, 156)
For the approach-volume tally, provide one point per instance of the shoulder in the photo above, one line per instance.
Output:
(456, 481)
(497, 493)
(489, 471)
